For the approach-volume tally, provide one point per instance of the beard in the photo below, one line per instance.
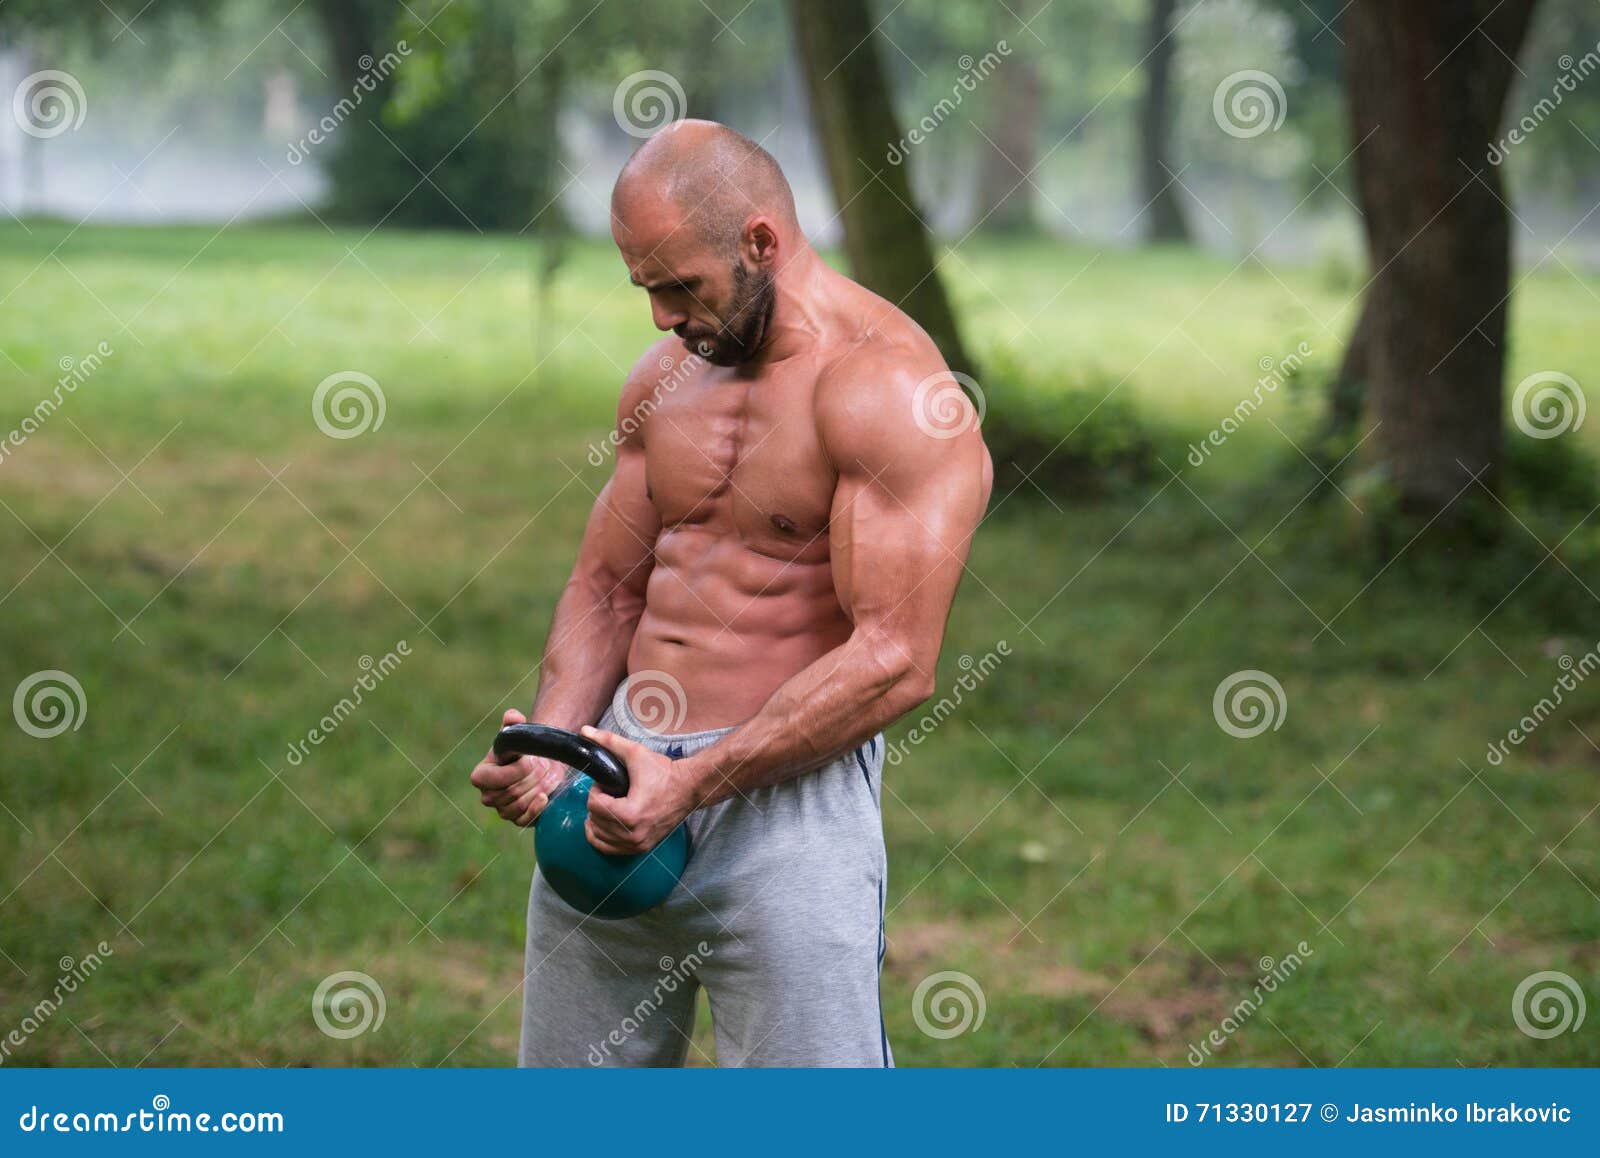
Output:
(736, 340)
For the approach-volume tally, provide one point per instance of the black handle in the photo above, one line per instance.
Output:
(601, 764)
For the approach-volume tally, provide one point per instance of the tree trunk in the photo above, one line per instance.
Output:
(1427, 84)
(885, 239)
(1345, 403)
(352, 28)
(698, 70)
(1159, 192)
(1007, 158)
(1347, 395)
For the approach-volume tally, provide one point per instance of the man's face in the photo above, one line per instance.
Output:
(720, 305)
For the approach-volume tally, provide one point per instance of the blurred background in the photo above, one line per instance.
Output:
(1262, 733)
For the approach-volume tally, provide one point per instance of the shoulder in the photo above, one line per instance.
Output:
(892, 400)
(660, 368)
(659, 371)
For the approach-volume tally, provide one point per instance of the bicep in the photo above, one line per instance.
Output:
(901, 530)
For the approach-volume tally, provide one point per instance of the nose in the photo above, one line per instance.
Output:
(667, 319)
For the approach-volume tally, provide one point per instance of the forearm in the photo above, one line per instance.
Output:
(829, 707)
(586, 652)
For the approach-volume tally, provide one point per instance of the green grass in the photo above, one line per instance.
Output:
(216, 602)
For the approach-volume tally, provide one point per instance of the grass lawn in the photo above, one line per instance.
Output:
(1081, 838)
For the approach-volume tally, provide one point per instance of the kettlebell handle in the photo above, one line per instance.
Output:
(602, 765)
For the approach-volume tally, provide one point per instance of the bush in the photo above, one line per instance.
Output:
(1532, 551)
(1071, 439)
(472, 182)
(1552, 475)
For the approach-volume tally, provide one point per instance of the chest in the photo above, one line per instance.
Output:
(743, 458)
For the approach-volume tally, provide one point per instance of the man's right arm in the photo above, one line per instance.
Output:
(586, 650)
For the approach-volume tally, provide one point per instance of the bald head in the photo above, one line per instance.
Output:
(702, 178)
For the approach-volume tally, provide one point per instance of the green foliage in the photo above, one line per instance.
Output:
(92, 22)
(458, 138)
(1552, 487)
(1535, 540)
(1071, 437)
(1556, 476)
(1558, 87)
(425, 171)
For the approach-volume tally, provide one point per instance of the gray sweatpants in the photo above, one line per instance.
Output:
(779, 917)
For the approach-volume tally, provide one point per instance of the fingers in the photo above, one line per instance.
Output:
(532, 809)
(519, 789)
(608, 841)
(525, 809)
(516, 790)
(613, 826)
(633, 754)
(509, 796)
(628, 749)
(490, 775)
(512, 716)
(543, 779)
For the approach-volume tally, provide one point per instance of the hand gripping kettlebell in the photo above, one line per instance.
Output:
(593, 882)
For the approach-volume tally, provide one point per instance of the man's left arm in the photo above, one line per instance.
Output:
(908, 498)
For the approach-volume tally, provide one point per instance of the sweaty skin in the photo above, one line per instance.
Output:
(782, 535)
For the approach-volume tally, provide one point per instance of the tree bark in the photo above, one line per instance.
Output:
(885, 239)
(352, 28)
(699, 73)
(1159, 192)
(1008, 157)
(1427, 85)
(1347, 395)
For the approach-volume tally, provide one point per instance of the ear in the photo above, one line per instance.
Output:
(760, 241)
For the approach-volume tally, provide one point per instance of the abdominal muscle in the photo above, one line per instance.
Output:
(730, 624)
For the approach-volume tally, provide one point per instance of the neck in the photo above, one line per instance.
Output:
(797, 315)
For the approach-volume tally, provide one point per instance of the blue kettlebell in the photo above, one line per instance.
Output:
(593, 882)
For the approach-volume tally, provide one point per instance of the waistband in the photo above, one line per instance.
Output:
(662, 703)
